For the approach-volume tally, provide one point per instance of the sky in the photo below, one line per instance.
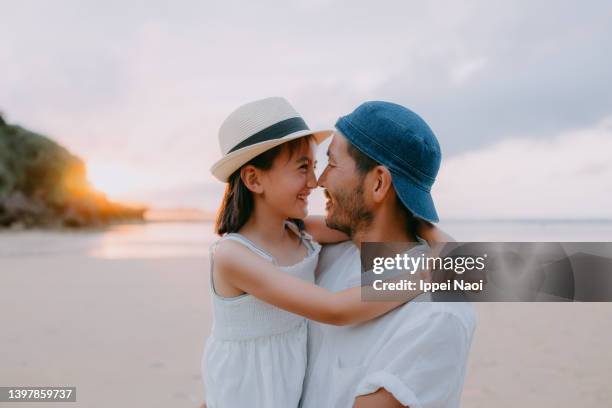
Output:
(518, 93)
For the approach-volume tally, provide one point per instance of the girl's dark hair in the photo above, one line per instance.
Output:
(238, 203)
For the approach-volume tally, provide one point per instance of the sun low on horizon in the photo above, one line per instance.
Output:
(119, 181)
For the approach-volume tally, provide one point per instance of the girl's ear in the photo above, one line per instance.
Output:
(250, 178)
(382, 183)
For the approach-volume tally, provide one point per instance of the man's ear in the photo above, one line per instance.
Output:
(250, 178)
(382, 183)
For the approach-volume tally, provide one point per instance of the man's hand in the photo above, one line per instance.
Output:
(379, 399)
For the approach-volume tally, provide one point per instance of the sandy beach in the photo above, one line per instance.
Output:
(129, 332)
(126, 333)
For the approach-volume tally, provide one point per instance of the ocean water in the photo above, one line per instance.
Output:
(192, 239)
(529, 230)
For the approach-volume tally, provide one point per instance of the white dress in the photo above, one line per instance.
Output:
(256, 353)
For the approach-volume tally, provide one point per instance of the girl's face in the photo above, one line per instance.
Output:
(287, 185)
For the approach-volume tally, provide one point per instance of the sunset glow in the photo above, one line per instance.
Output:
(114, 179)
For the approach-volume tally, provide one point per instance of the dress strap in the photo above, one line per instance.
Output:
(234, 236)
(242, 240)
(211, 259)
(309, 241)
(304, 237)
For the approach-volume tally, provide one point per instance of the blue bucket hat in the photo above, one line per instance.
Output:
(400, 140)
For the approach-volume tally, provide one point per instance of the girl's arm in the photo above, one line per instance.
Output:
(315, 226)
(258, 277)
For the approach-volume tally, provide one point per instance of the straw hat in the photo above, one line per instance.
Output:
(256, 127)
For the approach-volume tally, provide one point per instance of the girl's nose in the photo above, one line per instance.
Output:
(312, 180)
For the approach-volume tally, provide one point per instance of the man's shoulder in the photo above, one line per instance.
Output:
(461, 311)
(339, 248)
(342, 253)
(341, 258)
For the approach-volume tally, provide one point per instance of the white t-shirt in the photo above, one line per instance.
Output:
(417, 352)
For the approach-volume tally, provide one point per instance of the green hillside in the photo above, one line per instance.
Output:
(43, 184)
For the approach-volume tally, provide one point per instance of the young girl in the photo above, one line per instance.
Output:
(262, 268)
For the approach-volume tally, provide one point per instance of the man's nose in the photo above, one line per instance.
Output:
(321, 180)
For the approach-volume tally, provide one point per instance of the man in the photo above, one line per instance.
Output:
(383, 160)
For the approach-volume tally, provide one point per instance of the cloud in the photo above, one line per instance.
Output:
(565, 176)
(145, 85)
(467, 69)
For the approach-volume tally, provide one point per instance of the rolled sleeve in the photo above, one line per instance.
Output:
(422, 365)
(393, 384)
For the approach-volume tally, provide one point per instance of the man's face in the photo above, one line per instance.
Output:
(346, 208)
